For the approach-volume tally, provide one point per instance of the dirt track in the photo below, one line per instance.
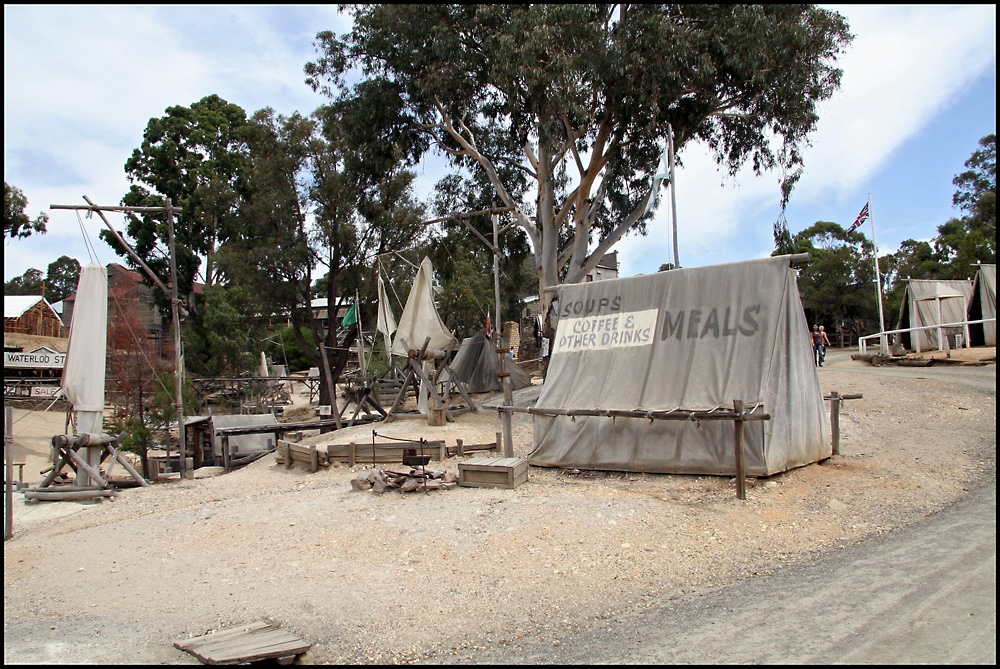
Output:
(429, 577)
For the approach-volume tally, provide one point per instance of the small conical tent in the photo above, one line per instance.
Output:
(933, 302)
(984, 305)
(687, 339)
(476, 365)
(420, 321)
(420, 318)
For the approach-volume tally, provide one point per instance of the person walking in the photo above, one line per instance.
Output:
(824, 341)
(817, 344)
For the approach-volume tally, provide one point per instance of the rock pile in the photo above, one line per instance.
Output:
(418, 479)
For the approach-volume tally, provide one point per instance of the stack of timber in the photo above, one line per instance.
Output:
(355, 453)
(418, 479)
(389, 388)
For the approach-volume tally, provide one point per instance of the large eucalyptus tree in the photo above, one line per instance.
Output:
(565, 108)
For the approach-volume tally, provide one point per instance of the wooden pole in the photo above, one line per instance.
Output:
(835, 421)
(178, 357)
(8, 476)
(673, 194)
(131, 252)
(131, 470)
(502, 352)
(741, 487)
(81, 463)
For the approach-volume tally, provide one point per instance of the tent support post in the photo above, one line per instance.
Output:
(835, 421)
(741, 487)
(508, 435)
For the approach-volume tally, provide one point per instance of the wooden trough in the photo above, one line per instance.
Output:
(356, 453)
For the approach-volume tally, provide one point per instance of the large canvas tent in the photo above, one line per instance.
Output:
(689, 339)
(476, 365)
(933, 302)
(984, 305)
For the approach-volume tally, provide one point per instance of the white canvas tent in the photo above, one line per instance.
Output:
(419, 321)
(984, 305)
(476, 365)
(420, 318)
(933, 302)
(83, 374)
(689, 339)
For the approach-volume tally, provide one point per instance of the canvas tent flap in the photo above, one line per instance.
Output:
(475, 364)
(83, 374)
(933, 302)
(420, 318)
(984, 304)
(386, 323)
(692, 339)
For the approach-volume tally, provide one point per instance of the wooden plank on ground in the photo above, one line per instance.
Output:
(248, 643)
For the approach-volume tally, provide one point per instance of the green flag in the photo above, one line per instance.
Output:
(351, 318)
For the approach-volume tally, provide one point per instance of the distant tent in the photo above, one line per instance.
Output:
(984, 305)
(476, 365)
(933, 302)
(688, 339)
(243, 444)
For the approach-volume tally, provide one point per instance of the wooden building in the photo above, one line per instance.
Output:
(30, 315)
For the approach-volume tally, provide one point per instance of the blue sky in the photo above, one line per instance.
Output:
(81, 82)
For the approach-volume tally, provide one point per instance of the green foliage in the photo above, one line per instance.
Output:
(962, 242)
(837, 285)
(29, 283)
(463, 263)
(138, 437)
(223, 341)
(535, 94)
(163, 410)
(195, 156)
(62, 279)
(466, 296)
(16, 223)
(63, 276)
(283, 347)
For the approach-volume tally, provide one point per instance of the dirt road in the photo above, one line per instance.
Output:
(472, 574)
(925, 594)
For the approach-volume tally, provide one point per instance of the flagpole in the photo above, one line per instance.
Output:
(883, 341)
(673, 195)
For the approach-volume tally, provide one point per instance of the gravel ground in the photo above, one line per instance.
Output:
(429, 577)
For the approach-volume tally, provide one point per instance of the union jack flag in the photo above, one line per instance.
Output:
(862, 217)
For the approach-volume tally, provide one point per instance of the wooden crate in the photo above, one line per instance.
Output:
(492, 472)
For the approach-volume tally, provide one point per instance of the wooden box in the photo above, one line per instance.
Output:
(492, 472)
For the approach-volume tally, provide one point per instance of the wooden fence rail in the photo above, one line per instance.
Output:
(738, 415)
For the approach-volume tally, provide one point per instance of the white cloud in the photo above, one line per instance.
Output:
(903, 67)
